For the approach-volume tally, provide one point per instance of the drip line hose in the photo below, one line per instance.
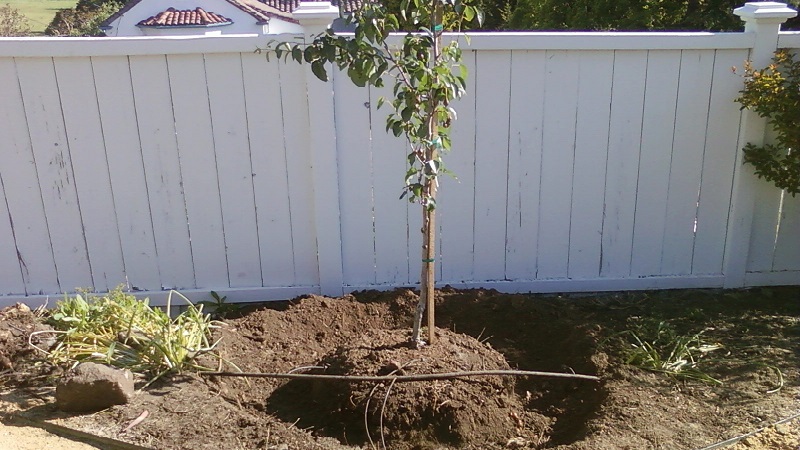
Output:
(736, 439)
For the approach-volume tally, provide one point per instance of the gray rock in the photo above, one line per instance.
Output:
(92, 387)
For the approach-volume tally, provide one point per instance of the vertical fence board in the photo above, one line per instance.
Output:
(718, 164)
(455, 203)
(787, 244)
(92, 178)
(163, 177)
(524, 163)
(51, 151)
(265, 126)
(294, 99)
(492, 96)
(23, 196)
(199, 167)
(355, 181)
(687, 155)
(765, 223)
(234, 168)
(658, 131)
(558, 156)
(123, 149)
(622, 175)
(591, 151)
(393, 236)
(10, 267)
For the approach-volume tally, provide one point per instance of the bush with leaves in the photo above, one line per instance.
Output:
(774, 93)
(84, 19)
(428, 76)
(629, 15)
(13, 22)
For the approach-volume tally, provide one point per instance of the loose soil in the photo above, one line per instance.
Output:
(367, 334)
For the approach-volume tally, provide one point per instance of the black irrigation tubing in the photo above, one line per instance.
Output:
(403, 378)
(736, 439)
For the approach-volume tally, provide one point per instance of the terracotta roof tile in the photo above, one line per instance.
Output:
(287, 6)
(183, 18)
(255, 9)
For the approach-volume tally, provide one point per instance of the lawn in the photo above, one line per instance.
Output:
(40, 12)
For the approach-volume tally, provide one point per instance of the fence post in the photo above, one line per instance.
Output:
(764, 20)
(315, 17)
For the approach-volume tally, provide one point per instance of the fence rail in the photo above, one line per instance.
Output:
(585, 162)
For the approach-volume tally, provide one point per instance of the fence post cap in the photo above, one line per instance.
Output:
(770, 11)
(319, 13)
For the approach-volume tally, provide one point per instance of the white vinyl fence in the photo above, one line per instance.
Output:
(585, 162)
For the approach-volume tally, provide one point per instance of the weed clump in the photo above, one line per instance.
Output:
(119, 330)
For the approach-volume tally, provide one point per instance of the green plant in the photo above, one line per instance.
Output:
(122, 331)
(219, 307)
(13, 22)
(665, 351)
(774, 93)
(428, 76)
(84, 19)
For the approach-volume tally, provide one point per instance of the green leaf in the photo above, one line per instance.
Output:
(318, 68)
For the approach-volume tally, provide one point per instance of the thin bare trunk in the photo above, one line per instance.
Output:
(428, 275)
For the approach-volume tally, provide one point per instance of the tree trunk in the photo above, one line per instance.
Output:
(428, 276)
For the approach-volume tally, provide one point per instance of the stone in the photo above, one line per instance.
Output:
(93, 387)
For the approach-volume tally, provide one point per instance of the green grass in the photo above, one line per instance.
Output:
(40, 12)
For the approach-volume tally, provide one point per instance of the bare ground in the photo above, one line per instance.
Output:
(366, 333)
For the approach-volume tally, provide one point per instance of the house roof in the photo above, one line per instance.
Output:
(184, 18)
(261, 10)
(288, 6)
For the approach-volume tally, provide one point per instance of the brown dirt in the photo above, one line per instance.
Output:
(366, 334)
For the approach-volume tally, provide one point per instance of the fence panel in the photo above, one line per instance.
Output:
(51, 153)
(83, 128)
(25, 236)
(234, 167)
(558, 156)
(658, 134)
(162, 170)
(455, 204)
(587, 161)
(492, 93)
(591, 152)
(719, 159)
(526, 119)
(123, 148)
(272, 199)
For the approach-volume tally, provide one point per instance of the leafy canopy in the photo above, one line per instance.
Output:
(427, 77)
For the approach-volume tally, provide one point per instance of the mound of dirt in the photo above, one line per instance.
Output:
(17, 355)
(410, 415)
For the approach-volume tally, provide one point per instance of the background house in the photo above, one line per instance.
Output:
(209, 17)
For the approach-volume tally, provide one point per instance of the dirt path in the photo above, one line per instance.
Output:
(30, 438)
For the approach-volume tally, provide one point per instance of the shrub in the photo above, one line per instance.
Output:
(13, 22)
(774, 93)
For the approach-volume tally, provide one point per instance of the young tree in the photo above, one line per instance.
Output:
(428, 76)
(13, 22)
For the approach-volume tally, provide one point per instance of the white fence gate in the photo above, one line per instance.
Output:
(585, 161)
